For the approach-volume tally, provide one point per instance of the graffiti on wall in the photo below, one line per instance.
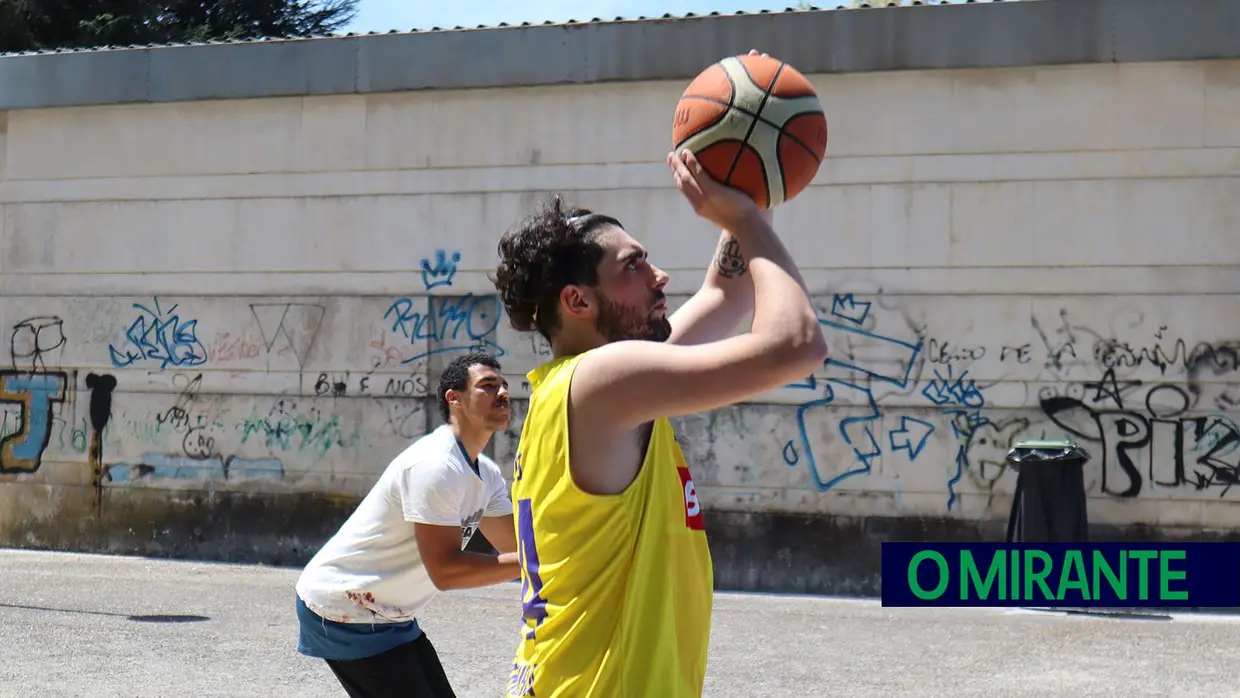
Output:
(34, 341)
(445, 324)
(863, 357)
(293, 389)
(1153, 442)
(35, 345)
(293, 326)
(202, 438)
(35, 394)
(440, 272)
(159, 337)
(898, 401)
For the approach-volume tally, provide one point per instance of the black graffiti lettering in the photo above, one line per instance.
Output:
(1055, 358)
(337, 386)
(1020, 354)
(1161, 448)
(1173, 393)
(364, 384)
(178, 415)
(1220, 471)
(1111, 389)
(1123, 433)
(1221, 358)
(1065, 411)
(413, 386)
(941, 352)
(1166, 449)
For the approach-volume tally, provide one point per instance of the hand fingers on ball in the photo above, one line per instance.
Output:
(692, 163)
(706, 184)
(701, 178)
(685, 179)
(679, 172)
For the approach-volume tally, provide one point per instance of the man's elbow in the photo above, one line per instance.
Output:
(804, 349)
(442, 575)
(815, 348)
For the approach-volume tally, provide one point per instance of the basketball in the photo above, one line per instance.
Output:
(755, 123)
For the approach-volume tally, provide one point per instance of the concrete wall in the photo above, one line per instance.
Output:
(226, 315)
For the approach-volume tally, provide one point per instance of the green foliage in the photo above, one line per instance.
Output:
(46, 24)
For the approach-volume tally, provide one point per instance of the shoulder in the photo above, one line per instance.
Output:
(432, 455)
(489, 468)
(438, 444)
(555, 375)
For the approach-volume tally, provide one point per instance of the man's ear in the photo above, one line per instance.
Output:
(577, 301)
(453, 397)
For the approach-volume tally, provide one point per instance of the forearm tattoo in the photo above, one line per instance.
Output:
(728, 258)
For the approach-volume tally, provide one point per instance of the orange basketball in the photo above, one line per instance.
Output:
(755, 123)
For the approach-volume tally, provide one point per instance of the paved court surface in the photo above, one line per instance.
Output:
(85, 625)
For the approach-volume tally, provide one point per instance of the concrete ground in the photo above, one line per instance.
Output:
(89, 625)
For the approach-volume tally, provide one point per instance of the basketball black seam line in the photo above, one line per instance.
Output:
(768, 122)
(766, 94)
(722, 115)
(749, 75)
(755, 116)
(765, 182)
(714, 122)
(783, 177)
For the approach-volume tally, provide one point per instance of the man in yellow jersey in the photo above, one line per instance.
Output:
(616, 574)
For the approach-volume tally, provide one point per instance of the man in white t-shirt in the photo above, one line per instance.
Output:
(359, 596)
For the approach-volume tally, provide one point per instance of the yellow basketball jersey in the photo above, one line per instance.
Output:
(616, 589)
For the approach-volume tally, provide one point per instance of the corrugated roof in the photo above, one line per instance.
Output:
(952, 35)
(878, 4)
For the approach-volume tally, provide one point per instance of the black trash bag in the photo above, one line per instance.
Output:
(1050, 504)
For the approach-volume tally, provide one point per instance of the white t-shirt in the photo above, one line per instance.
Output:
(371, 571)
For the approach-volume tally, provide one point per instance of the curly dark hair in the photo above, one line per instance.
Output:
(546, 251)
(456, 377)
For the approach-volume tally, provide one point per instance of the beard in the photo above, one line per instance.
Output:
(618, 323)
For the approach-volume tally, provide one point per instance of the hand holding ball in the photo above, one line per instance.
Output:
(755, 124)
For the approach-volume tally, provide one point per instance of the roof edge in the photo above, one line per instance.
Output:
(1005, 34)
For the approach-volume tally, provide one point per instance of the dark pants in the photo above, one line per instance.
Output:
(411, 670)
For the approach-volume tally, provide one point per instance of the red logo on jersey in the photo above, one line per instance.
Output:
(693, 508)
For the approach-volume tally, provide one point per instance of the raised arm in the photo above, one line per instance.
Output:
(725, 298)
(630, 383)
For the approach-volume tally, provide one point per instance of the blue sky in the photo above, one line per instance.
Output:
(403, 15)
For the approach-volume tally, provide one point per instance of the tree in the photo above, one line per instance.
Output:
(47, 24)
